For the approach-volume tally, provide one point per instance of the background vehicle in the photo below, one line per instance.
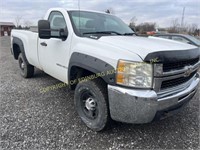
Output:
(181, 37)
(115, 74)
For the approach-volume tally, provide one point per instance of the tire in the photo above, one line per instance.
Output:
(91, 103)
(26, 70)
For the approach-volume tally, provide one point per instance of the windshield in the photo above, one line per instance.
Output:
(85, 23)
(192, 38)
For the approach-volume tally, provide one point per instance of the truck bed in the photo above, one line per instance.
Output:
(30, 41)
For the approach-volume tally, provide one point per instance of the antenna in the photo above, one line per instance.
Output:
(79, 15)
(79, 5)
(182, 20)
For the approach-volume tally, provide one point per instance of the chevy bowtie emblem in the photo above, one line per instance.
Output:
(188, 71)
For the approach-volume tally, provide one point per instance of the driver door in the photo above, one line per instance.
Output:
(54, 52)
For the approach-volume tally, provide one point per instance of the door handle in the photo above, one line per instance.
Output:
(43, 44)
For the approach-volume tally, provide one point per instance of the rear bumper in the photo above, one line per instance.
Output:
(143, 106)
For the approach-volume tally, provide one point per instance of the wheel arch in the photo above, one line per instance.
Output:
(18, 47)
(82, 65)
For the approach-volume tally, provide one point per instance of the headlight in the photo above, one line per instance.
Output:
(134, 74)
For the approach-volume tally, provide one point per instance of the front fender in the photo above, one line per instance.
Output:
(94, 65)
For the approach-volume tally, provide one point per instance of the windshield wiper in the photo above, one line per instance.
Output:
(128, 33)
(103, 32)
(109, 32)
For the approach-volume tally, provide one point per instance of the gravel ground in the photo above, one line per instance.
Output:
(32, 120)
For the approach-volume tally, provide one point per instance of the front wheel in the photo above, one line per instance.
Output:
(26, 69)
(91, 104)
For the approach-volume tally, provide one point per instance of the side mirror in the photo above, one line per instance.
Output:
(44, 29)
(63, 34)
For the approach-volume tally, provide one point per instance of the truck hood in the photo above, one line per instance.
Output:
(142, 46)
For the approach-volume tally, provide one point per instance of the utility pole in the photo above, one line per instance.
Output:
(183, 15)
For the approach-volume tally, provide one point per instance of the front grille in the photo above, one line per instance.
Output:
(176, 82)
(179, 65)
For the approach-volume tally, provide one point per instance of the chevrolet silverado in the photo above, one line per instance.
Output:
(116, 75)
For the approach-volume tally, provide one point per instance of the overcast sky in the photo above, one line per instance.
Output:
(160, 11)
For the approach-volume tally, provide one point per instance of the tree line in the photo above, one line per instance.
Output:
(174, 27)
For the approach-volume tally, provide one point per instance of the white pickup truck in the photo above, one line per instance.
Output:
(116, 75)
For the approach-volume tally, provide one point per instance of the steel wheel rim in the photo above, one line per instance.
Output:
(89, 105)
(21, 64)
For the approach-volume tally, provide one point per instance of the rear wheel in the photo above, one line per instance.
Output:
(26, 69)
(91, 104)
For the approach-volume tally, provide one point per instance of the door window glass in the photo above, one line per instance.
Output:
(57, 22)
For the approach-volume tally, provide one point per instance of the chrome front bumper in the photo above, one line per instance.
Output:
(142, 106)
